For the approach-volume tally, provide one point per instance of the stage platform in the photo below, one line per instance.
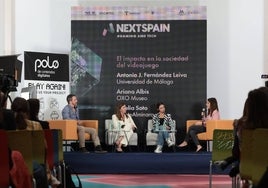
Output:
(140, 163)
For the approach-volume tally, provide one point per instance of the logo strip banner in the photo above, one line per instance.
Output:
(139, 13)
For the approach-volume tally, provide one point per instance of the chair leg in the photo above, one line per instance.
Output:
(210, 174)
(65, 145)
(209, 145)
(174, 148)
(64, 174)
(129, 148)
(234, 182)
(138, 148)
(114, 147)
(34, 183)
(237, 181)
(114, 138)
(145, 148)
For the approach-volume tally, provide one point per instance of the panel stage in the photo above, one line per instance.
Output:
(141, 163)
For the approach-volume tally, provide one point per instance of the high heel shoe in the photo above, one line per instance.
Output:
(198, 148)
(183, 144)
(119, 150)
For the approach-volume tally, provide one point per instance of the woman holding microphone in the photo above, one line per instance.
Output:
(200, 126)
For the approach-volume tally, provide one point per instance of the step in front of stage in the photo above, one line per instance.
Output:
(140, 163)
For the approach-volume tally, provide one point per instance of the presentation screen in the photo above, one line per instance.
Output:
(139, 56)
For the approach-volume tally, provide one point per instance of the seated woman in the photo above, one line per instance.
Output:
(200, 126)
(21, 109)
(125, 124)
(254, 116)
(162, 123)
(34, 106)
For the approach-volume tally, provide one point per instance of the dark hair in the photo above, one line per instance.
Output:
(21, 108)
(257, 108)
(213, 105)
(34, 105)
(245, 110)
(69, 97)
(117, 110)
(158, 105)
(241, 121)
(3, 100)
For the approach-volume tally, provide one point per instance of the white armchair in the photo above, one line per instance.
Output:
(151, 137)
(111, 134)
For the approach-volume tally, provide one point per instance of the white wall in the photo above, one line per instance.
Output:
(218, 53)
(7, 29)
(246, 50)
(235, 40)
(265, 50)
(235, 52)
(2, 27)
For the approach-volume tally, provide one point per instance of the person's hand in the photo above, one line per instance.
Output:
(168, 127)
(79, 122)
(198, 123)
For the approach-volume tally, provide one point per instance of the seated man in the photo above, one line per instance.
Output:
(71, 111)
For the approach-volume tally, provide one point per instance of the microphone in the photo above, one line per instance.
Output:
(76, 112)
(264, 76)
(203, 113)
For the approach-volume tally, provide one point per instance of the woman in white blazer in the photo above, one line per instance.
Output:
(124, 124)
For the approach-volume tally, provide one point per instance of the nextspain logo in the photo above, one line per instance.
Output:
(136, 28)
(109, 29)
